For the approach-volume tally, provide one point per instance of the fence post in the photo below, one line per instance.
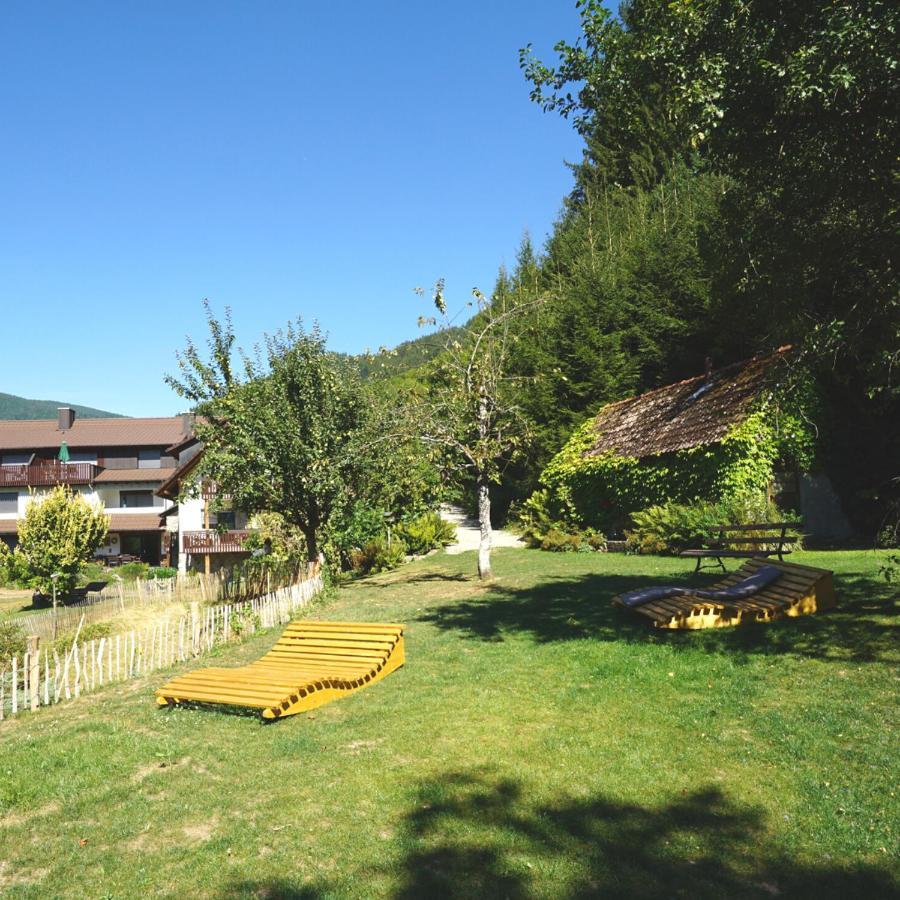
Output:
(34, 663)
(195, 627)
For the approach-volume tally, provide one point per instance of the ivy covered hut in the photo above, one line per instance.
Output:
(740, 434)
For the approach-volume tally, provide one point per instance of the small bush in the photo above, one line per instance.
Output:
(426, 532)
(558, 541)
(540, 529)
(160, 573)
(12, 642)
(673, 527)
(133, 571)
(359, 527)
(378, 556)
(90, 632)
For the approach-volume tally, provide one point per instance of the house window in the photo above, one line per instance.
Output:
(83, 456)
(133, 499)
(9, 501)
(149, 459)
(16, 459)
(225, 519)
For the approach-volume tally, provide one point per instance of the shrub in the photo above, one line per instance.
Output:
(540, 529)
(672, 527)
(160, 573)
(12, 642)
(559, 541)
(89, 632)
(357, 528)
(378, 556)
(133, 571)
(426, 532)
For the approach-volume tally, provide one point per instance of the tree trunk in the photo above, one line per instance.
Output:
(312, 544)
(484, 521)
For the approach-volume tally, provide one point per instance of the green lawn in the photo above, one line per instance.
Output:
(539, 743)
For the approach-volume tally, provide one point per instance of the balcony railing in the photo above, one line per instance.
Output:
(46, 474)
(211, 541)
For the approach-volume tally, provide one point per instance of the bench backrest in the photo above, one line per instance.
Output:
(767, 533)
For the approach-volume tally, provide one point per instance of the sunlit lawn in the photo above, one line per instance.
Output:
(539, 743)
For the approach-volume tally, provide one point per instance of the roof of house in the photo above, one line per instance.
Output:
(130, 475)
(689, 413)
(39, 434)
(119, 522)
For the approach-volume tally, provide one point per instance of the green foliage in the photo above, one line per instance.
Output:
(133, 571)
(604, 491)
(357, 528)
(379, 555)
(161, 573)
(288, 434)
(12, 642)
(540, 529)
(92, 631)
(671, 527)
(59, 534)
(774, 127)
(14, 571)
(426, 532)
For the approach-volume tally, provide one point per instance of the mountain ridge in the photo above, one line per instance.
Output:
(23, 408)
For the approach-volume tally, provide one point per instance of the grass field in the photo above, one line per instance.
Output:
(539, 743)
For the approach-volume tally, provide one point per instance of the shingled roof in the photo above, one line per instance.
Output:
(41, 434)
(687, 414)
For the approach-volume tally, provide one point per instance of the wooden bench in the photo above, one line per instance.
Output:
(747, 541)
(311, 664)
(798, 591)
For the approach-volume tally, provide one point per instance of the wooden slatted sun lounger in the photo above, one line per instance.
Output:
(312, 664)
(796, 591)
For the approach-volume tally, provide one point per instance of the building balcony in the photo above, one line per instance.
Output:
(46, 474)
(212, 541)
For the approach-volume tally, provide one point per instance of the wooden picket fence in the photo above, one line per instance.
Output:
(46, 676)
(219, 587)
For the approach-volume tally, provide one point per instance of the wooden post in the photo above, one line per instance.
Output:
(206, 560)
(34, 660)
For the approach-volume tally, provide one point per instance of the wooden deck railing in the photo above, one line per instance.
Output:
(46, 474)
(211, 541)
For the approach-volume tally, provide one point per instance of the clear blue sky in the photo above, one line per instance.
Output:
(283, 158)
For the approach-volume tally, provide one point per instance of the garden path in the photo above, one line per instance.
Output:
(468, 534)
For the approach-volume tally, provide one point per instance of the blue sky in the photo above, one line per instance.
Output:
(284, 159)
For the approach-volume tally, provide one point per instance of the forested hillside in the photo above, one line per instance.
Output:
(13, 407)
(735, 194)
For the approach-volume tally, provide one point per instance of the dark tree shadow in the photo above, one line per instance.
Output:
(862, 628)
(471, 835)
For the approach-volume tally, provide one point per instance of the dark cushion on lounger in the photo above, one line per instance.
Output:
(751, 585)
(761, 578)
(645, 595)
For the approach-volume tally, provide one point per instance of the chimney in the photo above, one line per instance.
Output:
(65, 417)
(707, 374)
(187, 424)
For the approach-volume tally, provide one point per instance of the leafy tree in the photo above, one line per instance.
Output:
(285, 432)
(58, 535)
(793, 106)
(471, 409)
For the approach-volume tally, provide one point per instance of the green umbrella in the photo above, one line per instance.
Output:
(63, 452)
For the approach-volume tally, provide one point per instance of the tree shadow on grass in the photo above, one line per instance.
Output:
(862, 629)
(468, 834)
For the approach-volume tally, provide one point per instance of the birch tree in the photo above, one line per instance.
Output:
(470, 407)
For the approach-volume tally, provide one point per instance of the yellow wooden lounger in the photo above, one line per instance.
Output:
(796, 591)
(311, 664)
